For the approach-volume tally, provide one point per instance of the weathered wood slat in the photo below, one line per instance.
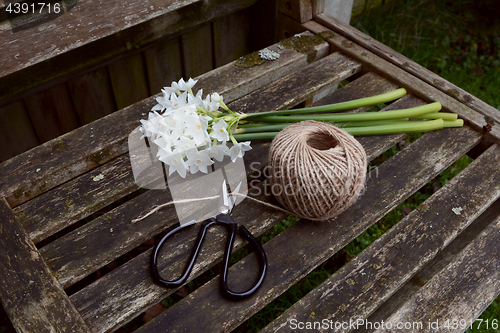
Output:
(408, 65)
(164, 64)
(362, 285)
(231, 36)
(94, 144)
(229, 77)
(92, 95)
(197, 51)
(299, 10)
(407, 80)
(131, 294)
(332, 69)
(305, 245)
(15, 123)
(442, 259)
(31, 296)
(52, 113)
(129, 81)
(461, 291)
(78, 198)
(54, 52)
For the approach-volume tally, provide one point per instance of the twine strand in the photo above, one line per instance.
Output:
(156, 208)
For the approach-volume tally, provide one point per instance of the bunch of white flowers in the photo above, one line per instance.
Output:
(191, 131)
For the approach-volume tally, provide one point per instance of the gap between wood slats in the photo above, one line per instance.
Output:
(15, 123)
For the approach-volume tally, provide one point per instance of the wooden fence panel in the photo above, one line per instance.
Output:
(16, 131)
(52, 112)
(164, 64)
(128, 79)
(92, 95)
(197, 51)
(231, 36)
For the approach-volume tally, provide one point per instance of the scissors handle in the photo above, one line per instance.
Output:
(233, 230)
(261, 256)
(194, 254)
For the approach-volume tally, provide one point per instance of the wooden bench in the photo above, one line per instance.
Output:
(68, 206)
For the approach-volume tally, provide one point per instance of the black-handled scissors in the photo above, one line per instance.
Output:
(226, 205)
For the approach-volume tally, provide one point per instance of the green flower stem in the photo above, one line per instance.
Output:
(367, 101)
(454, 123)
(437, 115)
(402, 127)
(363, 116)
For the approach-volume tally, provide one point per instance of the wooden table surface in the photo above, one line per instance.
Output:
(436, 263)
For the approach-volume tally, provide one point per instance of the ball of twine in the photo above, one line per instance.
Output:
(317, 170)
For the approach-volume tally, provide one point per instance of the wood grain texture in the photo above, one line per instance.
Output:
(231, 35)
(15, 123)
(52, 112)
(234, 81)
(363, 284)
(92, 95)
(53, 51)
(408, 65)
(462, 290)
(299, 10)
(305, 245)
(31, 296)
(436, 265)
(407, 80)
(66, 204)
(318, 76)
(129, 81)
(94, 144)
(197, 51)
(164, 64)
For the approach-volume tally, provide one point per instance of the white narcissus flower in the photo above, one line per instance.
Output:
(239, 150)
(178, 87)
(216, 97)
(218, 151)
(175, 163)
(209, 105)
(196, 127)
(184, 144)
(198, 160)
(219, 131)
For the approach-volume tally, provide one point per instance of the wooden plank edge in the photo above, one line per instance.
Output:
(30, 294)
(80, 55)
(436, 265)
